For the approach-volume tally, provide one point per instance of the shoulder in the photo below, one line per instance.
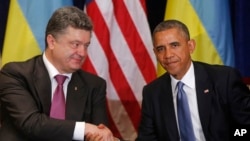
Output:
(161, 81)
(27, 66)
(89, 78)
(215, 70)
(213, 67)
(19, 73)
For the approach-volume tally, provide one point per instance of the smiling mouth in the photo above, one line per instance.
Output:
(170, 63)
(77, 60)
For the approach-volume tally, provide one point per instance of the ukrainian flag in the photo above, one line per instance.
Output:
(209, 24)
(25, 30)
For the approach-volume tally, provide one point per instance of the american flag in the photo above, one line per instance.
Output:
(121, 52)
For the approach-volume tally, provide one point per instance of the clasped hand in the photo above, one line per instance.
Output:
(98, 133)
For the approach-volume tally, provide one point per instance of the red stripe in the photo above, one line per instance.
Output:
(135, 43)
(113, 127)
(118, 79)
(87, 66)
(144, 6)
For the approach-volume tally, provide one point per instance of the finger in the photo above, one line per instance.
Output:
(96, 137)
(101, 126)
(93, 137)
(88, 137)
(116, 139)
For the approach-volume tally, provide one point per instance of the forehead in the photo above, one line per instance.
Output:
(72, 33)
(169, 34)
(168, 37)
(174, 31)
(72, 30)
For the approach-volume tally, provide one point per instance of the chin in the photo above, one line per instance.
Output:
(172, 72)
(75, 67)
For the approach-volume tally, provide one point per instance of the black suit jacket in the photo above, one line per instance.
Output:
(226, 105)
(25, 94)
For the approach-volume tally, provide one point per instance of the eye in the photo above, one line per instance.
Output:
(74, 44)
(77, 44)
(175, 44)
(86, 45)
(160, 49)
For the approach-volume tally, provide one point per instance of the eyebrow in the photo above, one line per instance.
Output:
(159, 46)
(174, 43)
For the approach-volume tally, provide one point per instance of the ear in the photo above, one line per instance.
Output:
(51, 41)
(191, 45)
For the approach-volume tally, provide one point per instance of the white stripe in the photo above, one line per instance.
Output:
(139, 17)
(125, 60)
(116, 108)
(120, 117)
(98, 57)
(123, 53)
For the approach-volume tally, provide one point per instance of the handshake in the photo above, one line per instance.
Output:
(98, 133)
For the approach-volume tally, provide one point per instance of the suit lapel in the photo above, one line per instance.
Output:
(204, 90)
(42, 84)
(76, 98)
(76, 94)
(166, 100)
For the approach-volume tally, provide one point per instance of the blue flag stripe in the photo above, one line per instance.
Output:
(38, 12)
(215, 16)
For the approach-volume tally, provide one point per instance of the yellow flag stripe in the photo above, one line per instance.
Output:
(205, 50)
(19, 43)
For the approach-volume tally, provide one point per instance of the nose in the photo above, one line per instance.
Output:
(167, 53)
(82, 50)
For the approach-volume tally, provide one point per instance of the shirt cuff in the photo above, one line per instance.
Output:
(79, 131)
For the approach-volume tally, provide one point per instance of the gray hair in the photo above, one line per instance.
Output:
(65, 17)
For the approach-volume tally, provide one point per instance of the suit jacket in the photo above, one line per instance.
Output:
(225, 106)
(25, 94)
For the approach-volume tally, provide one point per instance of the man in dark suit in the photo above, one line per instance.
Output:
(218, 100)
(26, 88)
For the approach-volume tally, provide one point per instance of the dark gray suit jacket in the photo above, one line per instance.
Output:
(25, 96)
(226, 105)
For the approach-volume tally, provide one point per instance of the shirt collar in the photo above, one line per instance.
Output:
(52, 70)
(188, 79)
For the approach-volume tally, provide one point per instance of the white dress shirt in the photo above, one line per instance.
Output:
(190, 89)
(79, 126)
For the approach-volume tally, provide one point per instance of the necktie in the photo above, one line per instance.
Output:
(57, 109)
(184, 118)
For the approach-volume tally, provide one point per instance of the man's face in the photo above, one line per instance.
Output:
(173, 51)
(68, 50)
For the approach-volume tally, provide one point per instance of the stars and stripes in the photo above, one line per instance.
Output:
(121, 52)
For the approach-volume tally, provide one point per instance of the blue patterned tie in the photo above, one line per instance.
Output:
(184, 118)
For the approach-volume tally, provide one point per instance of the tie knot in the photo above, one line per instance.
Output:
(60, 79)
(180, 85)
